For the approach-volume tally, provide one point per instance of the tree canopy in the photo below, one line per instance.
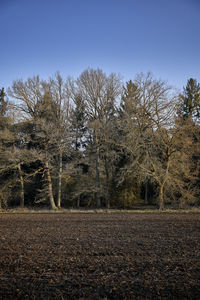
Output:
(95, 141)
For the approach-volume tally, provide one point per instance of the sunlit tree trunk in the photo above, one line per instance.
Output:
(162, 184)
(59, 179)
(49, 181)
(161, 197)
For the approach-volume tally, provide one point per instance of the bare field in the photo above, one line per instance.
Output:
(100, 256)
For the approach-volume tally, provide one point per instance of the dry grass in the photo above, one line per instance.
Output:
(98, 211)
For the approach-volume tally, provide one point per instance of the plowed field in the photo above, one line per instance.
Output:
(100, 256)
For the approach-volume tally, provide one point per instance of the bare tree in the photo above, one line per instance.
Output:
(46, 105)
(100, 93)
(63, 135)
(36, 105)
(10, 159)
(150, 107)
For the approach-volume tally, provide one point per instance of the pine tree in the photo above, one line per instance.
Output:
(190, 100)
(3, 102)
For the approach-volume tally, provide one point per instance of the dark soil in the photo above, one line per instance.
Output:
(99, 256)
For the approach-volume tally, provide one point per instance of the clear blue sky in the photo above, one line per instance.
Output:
(122, 36)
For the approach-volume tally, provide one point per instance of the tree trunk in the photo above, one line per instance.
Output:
(59, 180)
(22, 185)
(78, 202)
(161, 197)
(98, 200)
(161, 192)
(107, 199)
(146, 192)
(51, 198)
(107, 186)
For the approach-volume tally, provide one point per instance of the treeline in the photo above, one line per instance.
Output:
(94, 142)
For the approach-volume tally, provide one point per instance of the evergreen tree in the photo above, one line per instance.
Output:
(3, 102)
(189, 117)
(190, 100)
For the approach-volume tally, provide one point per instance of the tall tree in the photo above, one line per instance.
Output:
(189, 118)
(190, 100)
(5, 139)
(149, 109)
(36, 104)
(11, 158)
(100, 93)
(3, 102)
(62, 124)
